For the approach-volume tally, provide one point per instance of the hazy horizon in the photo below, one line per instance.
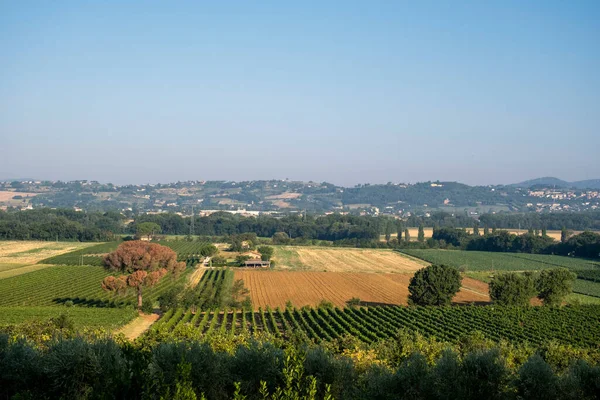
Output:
(343, 92)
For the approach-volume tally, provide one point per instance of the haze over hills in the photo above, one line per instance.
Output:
(538, 195)
(559, 183)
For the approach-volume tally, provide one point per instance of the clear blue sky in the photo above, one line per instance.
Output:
(346, 92)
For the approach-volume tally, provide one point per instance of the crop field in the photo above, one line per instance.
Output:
(30, 252)
(275, 288)
(108, 318)
(306, 258)
(586, 287)
(576, 326)
(81, 284)
(492, 261)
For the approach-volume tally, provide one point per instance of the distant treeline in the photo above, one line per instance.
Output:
(578, 221)
(330, 227)
(59, 224)
(586, 244)
(66, 224)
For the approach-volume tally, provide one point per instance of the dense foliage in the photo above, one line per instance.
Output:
(407, 365)
(512, 289)
(59, 224)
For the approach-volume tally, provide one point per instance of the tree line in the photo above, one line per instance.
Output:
(586, 244)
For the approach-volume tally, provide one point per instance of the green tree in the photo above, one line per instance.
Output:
(406, 235)
(148, 229)
(553, 285)
(266, 252)
(280, 238)
(421, 234)
(476, 229)
(389, 227)
(512, 289)
(564, 235)
(486, 230)
(434, 285)
(544, 232)
(399, 229)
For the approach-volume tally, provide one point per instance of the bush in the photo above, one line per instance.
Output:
(434, 285)
(536, 380)
(148, 307)
(353, 302)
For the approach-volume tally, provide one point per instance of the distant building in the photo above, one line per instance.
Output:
(257, 264)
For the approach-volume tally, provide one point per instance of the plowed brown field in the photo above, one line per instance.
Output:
(307, 258)
(275, 288)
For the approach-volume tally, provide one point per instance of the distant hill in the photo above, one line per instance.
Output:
(587, 184)
(559, 183)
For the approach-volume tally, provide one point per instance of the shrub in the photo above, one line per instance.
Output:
(148, 307)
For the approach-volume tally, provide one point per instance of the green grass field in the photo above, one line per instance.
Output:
(491, 261)
(108, 318)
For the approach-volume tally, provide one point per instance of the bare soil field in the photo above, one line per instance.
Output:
(6, 195)
(275, 288)
(284, 196)
(307, 258)
(29, 252)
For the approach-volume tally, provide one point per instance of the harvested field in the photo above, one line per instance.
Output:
(275, 288)
(343, 260)
(29, 252)
(6, 195)
(284, 196)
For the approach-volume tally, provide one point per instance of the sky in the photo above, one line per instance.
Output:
(340, 91)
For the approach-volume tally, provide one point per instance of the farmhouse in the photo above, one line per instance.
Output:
(257, 264)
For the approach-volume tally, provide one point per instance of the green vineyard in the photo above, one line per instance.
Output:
(79, 284)
(108, 318)
(577, 326)
(87, 256)
(491, 261)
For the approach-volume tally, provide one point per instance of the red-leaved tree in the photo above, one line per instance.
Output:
(144, 264)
